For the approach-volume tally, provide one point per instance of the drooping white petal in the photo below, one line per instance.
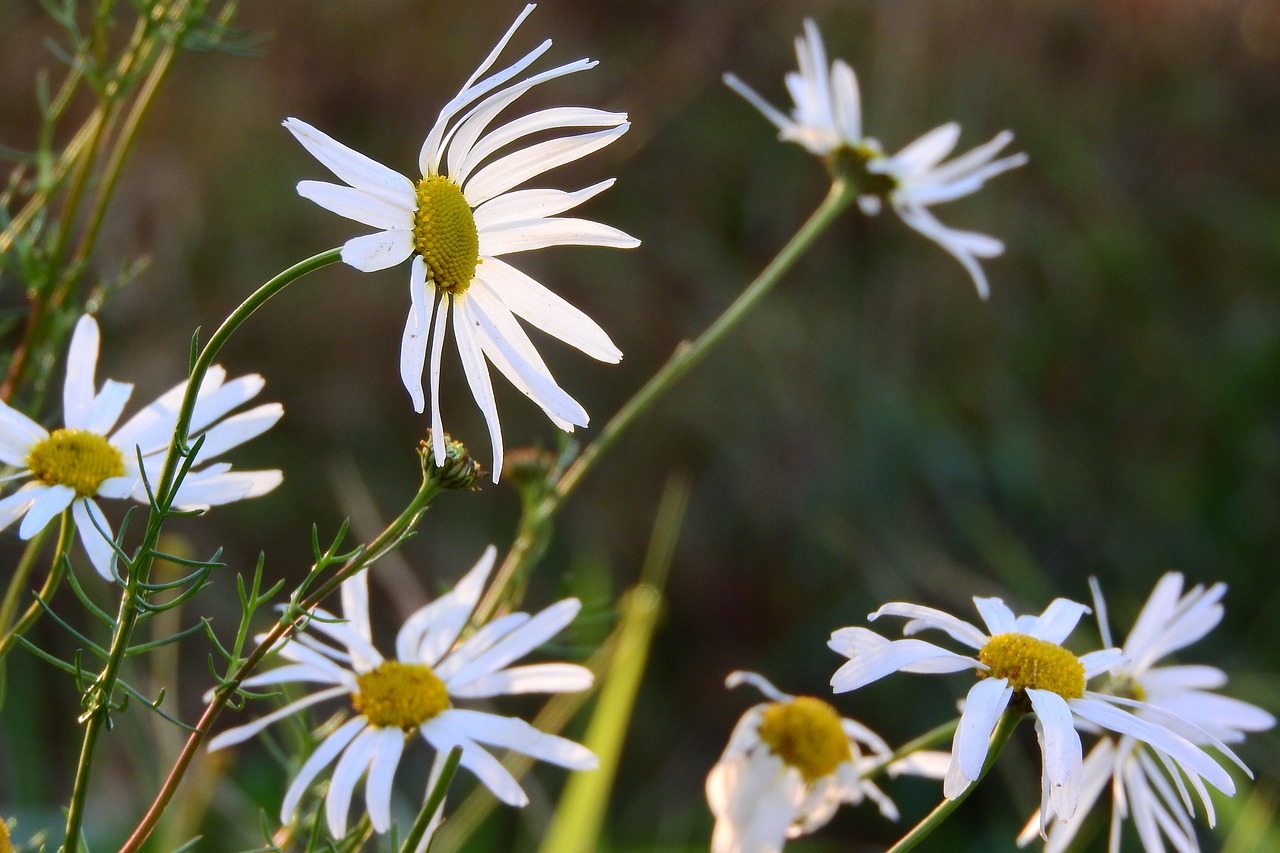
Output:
(353, 167)
(413, 343)
(382, 770)
(1060, 750)
(350, 767)
(437, 350)
(378, 251)
(759, 682)
(359, 205)
(470, 349)
(319, 760)
(514, 733)
(983, 706)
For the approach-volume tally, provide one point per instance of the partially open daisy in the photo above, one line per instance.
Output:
(461, 217)
(391, 698)
(89, 458)
(1180, 697)
(827, 120)
(789, 764)
(1019, 659)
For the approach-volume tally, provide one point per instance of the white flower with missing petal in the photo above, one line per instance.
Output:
(789, 764)
(1020, 659)
(458, 222)
(89, 458)
(1180, 696)
(415, 691)
(827, 120)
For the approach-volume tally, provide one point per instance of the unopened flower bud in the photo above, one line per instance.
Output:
(457, 470)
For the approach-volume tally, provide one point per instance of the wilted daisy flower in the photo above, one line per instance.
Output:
(86, 459)
(457, 222)
(789, 764)
(827, 120)
(1177, 696)
(416, 690)
(1020, 660)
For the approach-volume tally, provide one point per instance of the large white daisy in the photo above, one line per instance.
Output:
(789, 764)
(1019, 659)
(1180, 696)
(416, 690)
(460, 219)
(827, 120)
(88, 458)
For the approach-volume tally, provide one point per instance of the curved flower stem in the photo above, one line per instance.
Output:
(681, 361)
(98, 696)
(432, 805)
(11, 635)
(1004, 728)
(294, 618)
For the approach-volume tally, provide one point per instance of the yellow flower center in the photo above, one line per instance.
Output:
(75, 458)
(6, 846)
(400, 695)
(1028, 662)
(806, 734)
(444, 233)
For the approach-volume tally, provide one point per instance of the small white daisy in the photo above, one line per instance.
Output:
(1019, 659)
(86, 459)
(461, 218)
(827, 120)
(416, 690)
(1174, 696)
(789, 765)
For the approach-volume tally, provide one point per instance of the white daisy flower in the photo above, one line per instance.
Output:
(827, 120)
(457, 222)
(1173, 694)
(1019, 659)
(416, 691)
(789, 765)
(89, 458)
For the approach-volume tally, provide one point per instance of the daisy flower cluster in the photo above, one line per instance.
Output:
(89, 457)
(390, 699)
(460, 220)
(826, 120)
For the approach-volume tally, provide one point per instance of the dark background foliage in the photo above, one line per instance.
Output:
(874, 432)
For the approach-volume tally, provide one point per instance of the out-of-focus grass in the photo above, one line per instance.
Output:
(876, 432)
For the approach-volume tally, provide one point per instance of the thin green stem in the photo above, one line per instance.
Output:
(10, 636)
(139, 568)
(934, 736)
(18, 583)
(681, 361)
(432, 805)
(1004, 728)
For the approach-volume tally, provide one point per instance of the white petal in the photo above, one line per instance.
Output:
(319, 760)
(519, 642)
(929, 150)
(239, 734)
(996, 615)
(847, 101)
(16, 505)
(479, 643)
(437, 349)
(353, 167)
(82, 363)
(377, 787)
(97, 543)
(522, 205)
(1058, 620)
(983, 706)
(533, 234)
(871, 663)
(442, 632)
(475, 758)
(413, 343)
(1060, 750)
(515, 734)
(536, 122)
(378, 251)
(224, 488)
(533, 302)
(468, 339)
(1103, 660)
(48, 505)
(350, 767)
(759, 682)
(236, 430)
(355, 605)
(18, 434)
(514, 169)
(358, 205)
(105, 409)
(927, 617)
(534, 678)
(293, 672)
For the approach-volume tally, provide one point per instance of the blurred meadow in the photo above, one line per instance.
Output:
(874, 432)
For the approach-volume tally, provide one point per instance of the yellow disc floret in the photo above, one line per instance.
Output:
(1028, 662)
(75, 458)
(806, 734)
(400, 695)
(444, 234)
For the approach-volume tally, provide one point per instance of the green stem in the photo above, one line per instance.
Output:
(681, 361)
(432, 805)
(46, 592)
(361, 560)
(934, 736)
(1004, 728)
(139, 568)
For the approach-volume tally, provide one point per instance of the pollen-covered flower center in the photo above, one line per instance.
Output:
(444, 234)
(806, 734)
(400, 695)
(1028, 662)
(75, 458)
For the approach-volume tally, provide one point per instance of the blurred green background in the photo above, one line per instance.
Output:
(874, 432)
